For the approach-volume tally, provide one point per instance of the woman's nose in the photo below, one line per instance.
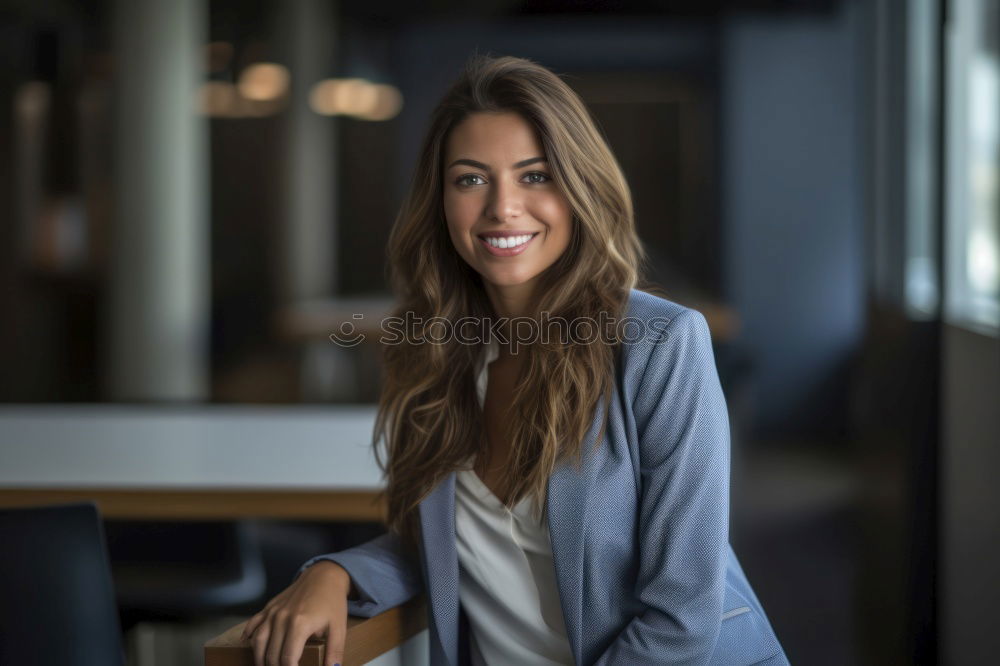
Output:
(505, 201)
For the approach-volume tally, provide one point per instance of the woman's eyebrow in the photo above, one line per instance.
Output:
(480, 165)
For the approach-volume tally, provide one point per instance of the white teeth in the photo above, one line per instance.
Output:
(508, 242)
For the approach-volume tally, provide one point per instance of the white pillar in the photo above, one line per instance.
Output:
(159, 281)
(309, 36)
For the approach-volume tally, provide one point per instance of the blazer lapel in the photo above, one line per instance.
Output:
(437, 524)
(566, 510)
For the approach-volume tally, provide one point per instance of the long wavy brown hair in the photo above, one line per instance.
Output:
(429, 421)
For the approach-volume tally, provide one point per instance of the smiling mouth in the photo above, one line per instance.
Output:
(507, 242)
(514, 245)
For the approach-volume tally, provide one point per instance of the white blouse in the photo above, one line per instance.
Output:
(506, 577)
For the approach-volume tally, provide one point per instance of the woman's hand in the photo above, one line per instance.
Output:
(314, 605)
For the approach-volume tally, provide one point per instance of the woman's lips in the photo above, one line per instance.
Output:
(509, 251)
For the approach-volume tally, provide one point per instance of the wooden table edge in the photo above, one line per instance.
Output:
(214, 503)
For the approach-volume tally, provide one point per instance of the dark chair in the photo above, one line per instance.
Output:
(178, 571)
(57, 601)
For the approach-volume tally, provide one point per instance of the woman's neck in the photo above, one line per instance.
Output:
(512, 301)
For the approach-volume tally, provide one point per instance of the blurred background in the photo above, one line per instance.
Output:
(195, 193)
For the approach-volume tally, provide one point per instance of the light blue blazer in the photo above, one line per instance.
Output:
(640, 541)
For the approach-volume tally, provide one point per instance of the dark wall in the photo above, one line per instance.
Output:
(970, 525)
(792, 202)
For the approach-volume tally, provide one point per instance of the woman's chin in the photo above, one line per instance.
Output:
(506, 280)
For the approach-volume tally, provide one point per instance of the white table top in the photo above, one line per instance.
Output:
(201, 446)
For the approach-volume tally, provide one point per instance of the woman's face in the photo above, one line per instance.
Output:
(497, 184)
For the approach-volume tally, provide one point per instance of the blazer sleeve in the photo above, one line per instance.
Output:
(381, 572)
(683, 437)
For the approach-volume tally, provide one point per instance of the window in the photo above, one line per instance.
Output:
(972, 242)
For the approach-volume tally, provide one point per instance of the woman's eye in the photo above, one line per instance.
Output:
(545, 176)
(463, 180)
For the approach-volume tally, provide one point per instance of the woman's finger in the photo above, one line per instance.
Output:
(251, 625)
(259, 643)
(298, 632)
(279, 629)
(255, 621)
(335, 645)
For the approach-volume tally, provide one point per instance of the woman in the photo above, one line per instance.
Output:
(558, 499)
